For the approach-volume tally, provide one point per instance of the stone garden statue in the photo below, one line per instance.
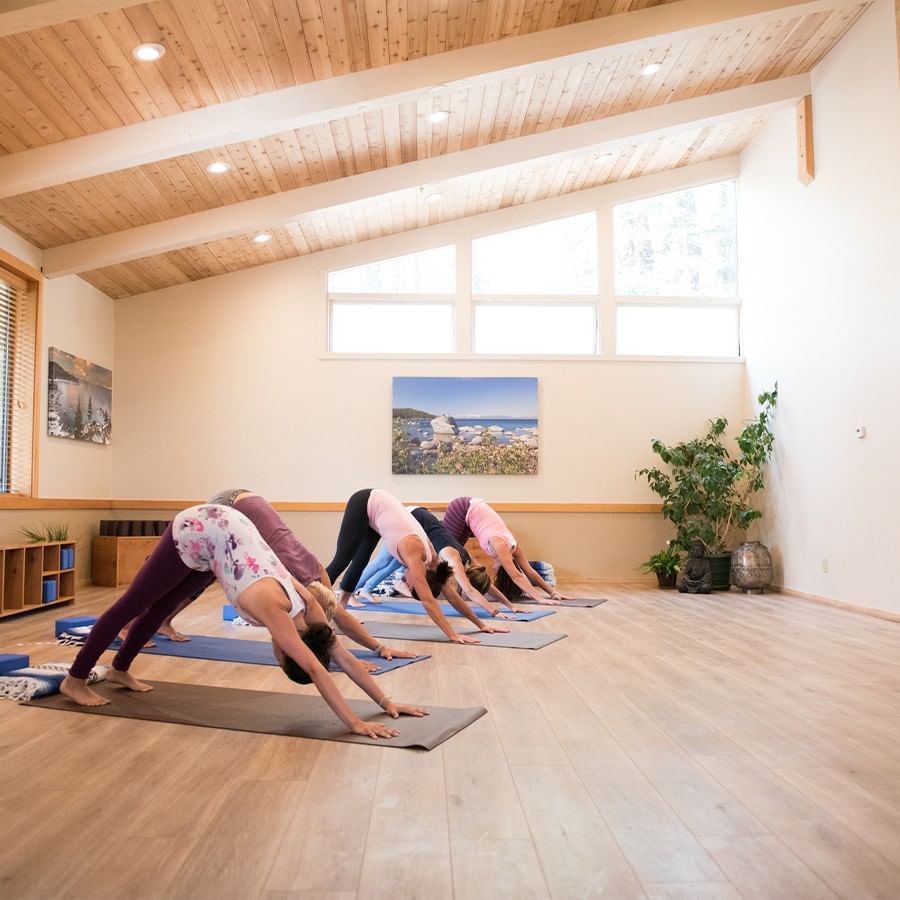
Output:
(696, 577)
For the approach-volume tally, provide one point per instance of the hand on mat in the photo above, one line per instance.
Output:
(464, 639)
(505, 614)
(374, 730)
(369, 667)
(494, 629)
(394, 710)
(390, 652)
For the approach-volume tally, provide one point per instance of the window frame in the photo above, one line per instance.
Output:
(602, 202)
(643, 300)
(34, 280)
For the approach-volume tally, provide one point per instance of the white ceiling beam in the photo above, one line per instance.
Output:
(26, 15)
(334, 98)
(268, 212)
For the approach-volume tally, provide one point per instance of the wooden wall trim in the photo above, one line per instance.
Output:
(14, 501)
(840, 604)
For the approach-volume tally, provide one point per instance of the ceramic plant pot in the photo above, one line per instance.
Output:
(751, 567)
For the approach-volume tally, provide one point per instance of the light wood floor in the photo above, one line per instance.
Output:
(698, 748)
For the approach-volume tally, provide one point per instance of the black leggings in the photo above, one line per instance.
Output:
(356, 541)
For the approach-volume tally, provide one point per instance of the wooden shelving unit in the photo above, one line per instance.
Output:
(29, 572)
(116, 560)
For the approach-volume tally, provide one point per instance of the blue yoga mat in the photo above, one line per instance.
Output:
(414, 608)
(257, 653)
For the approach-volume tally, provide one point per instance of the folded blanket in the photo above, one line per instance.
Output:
(39, 681)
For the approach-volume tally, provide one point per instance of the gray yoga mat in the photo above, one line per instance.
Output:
(578, 602)
(266, 712)
(518, 640)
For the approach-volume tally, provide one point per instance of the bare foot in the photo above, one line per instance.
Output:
(173, 635)
(124, 634)
(80, 693)
(127, 680)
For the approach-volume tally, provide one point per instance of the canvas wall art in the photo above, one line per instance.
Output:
(79, 399)
(465, 426)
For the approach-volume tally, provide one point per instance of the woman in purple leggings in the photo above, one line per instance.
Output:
(217, 541)
(302, 565)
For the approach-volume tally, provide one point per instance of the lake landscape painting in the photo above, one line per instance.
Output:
(464, 426)
(79, 399)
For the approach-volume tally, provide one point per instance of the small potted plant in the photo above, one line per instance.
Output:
(665, 564)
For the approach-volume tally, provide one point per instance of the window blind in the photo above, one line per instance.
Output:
(18, 328)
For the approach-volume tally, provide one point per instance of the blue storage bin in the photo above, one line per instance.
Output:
(229, 613)
(11, 661)
(66, 558)
(48, 594)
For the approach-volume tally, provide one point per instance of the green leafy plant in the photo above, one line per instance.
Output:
(46, 532)
(707, 493)
(665, 562)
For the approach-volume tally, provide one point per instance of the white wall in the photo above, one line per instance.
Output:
(226, 381)
(821, 289)
(80, 320)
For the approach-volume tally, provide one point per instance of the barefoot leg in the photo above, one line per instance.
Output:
(77, 690)
(127, 680)
(166, 630)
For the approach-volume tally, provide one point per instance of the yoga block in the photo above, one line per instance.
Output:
(11, 661)
(73, 622)
(48, 593)
(229, 613)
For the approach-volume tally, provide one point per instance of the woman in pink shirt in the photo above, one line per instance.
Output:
(373, 514)
(471, 517)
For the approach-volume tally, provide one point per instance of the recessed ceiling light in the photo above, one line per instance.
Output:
(651, 68)
(262, 238)
(218, 167)
(439, 115)
(148, 52)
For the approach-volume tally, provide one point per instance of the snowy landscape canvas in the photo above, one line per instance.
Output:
(465, 426)
(79, 399)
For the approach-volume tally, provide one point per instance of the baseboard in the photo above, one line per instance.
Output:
(841, 604)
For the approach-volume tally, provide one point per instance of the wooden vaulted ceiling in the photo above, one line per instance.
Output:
(69, 79)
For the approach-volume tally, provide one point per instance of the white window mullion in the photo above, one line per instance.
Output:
(606, 264)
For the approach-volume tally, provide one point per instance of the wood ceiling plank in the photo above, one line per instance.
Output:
(38, 115)
(294, 39)
(378, 31)
(278, 150)
(227, 46)
(47, 64)
(266, 24)
(314, 31)
(336, 37)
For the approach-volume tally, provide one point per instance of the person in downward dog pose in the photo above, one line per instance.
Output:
(371, 514)
(471, 516)
(219, 540)
(302, 564)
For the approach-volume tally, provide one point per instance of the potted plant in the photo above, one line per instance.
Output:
(665, 564)
(707, 492)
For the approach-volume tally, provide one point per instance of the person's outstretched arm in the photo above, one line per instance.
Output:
(464, 609)
(522, 562)
(356, 631)
(505, 558)
(263, 604)
(459, 573)
(415, 575)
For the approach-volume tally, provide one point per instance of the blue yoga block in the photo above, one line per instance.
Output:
(66, 558)
(48, 593)
(12, 661)
(73, 622)
(229, 613)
